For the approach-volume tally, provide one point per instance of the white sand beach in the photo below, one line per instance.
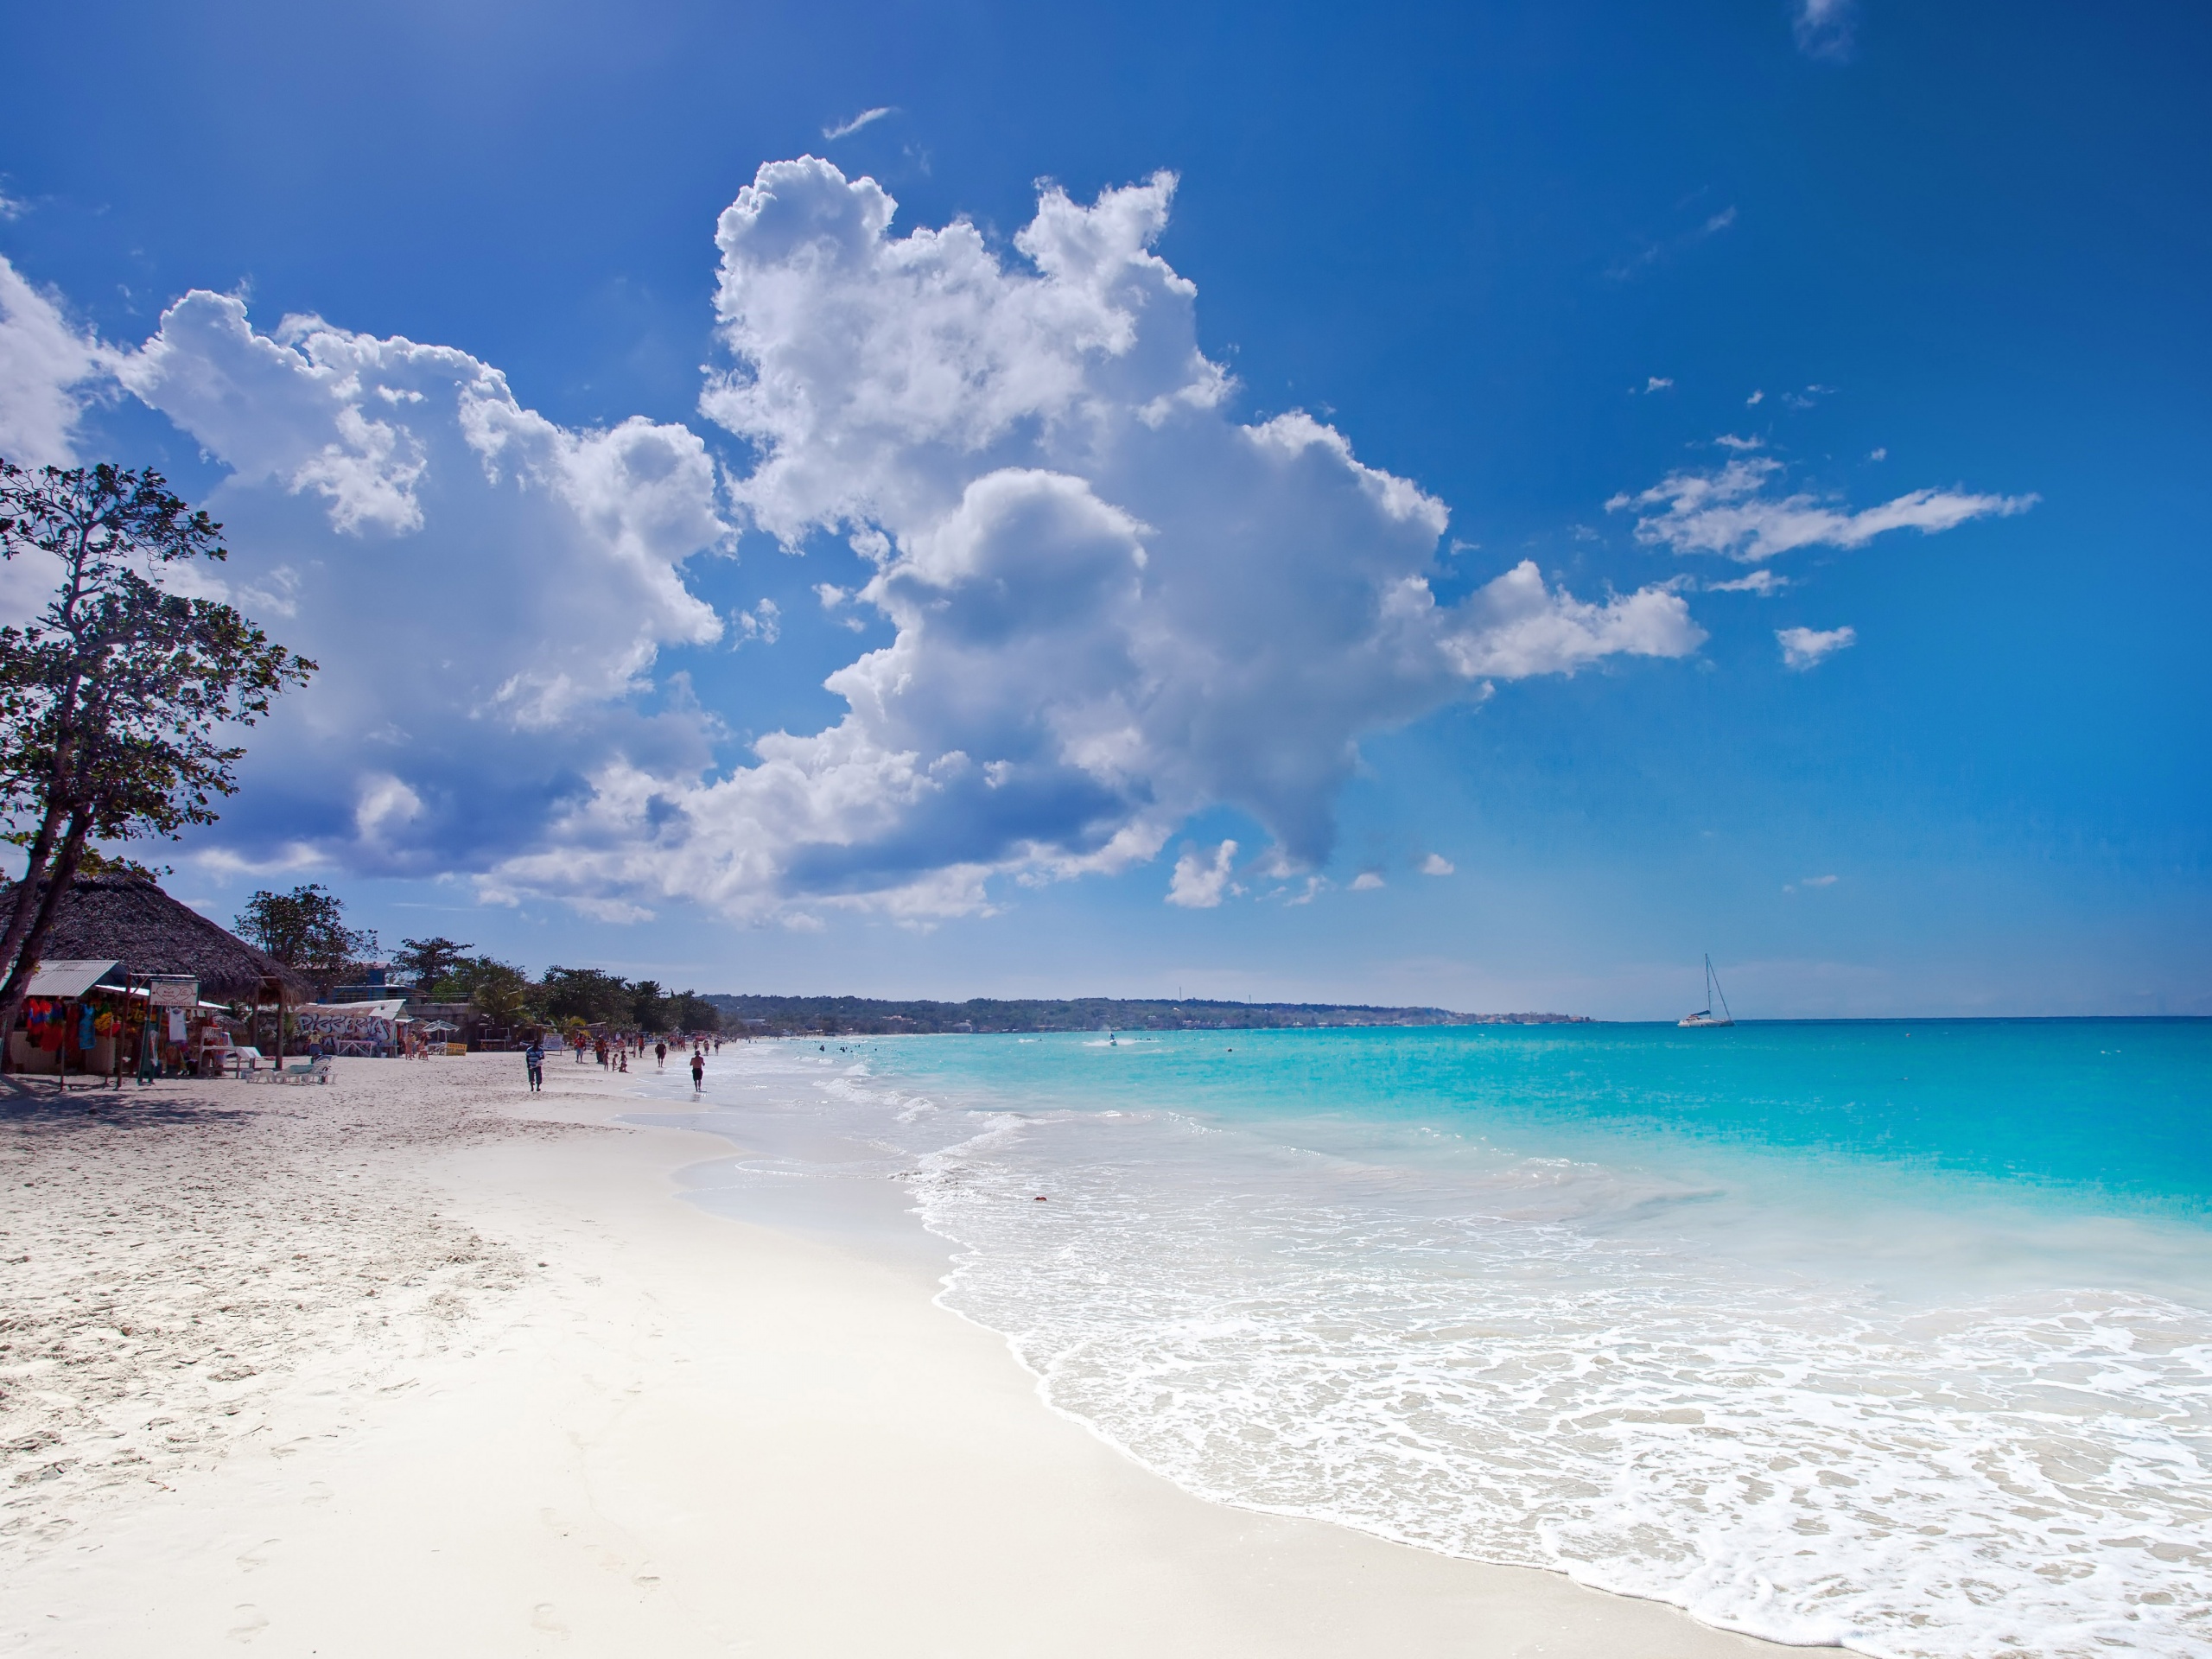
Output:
(419, 1364)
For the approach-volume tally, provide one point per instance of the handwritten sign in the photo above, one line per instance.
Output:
(174, 991)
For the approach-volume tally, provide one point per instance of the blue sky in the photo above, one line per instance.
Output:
(1196, 512)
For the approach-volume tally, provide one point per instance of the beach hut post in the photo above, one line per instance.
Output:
(146, 1038)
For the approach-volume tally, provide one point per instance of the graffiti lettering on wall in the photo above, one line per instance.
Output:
(362, 1028)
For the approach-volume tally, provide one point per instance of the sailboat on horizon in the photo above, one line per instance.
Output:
(1706, 1016)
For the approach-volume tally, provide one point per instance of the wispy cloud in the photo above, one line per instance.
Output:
(764, 623)
(832, 597)
(1804, 648)
(866, 117)
(1658, 252)
(1764, 583)
(1733, 513)
(1824, 28)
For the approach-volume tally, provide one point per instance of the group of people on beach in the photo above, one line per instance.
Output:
(614, 1054)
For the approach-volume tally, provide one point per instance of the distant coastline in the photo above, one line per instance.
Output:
(867, 1016)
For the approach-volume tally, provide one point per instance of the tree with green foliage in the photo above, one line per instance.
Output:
(587, 995)
(305, 929)
(497, 990)
(648, 1005)
(113, 695)
(691, 1012)
(429, 962)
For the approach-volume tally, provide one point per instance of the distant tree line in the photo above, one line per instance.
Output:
(305, 929)
(872, 1016)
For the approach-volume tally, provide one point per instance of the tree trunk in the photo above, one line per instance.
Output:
(27, 891)
(26, 964)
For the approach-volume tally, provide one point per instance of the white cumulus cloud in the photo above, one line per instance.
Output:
(1437, 864)
(1735, 511)
(1368, 881)
(1202, 880)
(1804, 648)
(486, 592)
(45, 366)
(1114, 604)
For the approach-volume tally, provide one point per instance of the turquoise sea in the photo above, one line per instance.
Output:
(1891, 1334)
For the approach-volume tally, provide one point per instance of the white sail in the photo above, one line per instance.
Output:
(1706, 1016)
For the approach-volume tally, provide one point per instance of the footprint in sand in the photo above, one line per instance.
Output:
(251, 1622)
(317, 1493)
(258, 1555)
(542, 1617)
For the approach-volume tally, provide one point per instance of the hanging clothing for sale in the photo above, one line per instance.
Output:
(85, 1025)
(176, 1024)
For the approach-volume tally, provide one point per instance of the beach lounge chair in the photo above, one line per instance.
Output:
(315, 1071)
(241, 1060)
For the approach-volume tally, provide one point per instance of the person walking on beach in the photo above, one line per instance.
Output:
(660, 1053)
(698, 1073)
(533, 1061)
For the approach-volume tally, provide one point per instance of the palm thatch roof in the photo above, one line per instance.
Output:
(132, 920)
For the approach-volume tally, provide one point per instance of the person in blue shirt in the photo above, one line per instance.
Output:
(534, 1060)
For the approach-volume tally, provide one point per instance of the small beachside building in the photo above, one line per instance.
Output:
(372, 1029)
(73, 1011)
(127, 922)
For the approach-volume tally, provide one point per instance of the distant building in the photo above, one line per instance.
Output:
(373, 987)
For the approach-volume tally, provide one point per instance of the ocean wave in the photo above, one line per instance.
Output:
(1789, 1456)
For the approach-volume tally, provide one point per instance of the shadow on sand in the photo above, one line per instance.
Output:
(34, 1101)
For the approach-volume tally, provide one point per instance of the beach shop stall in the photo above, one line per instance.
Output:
(74, 1020)
(152, 945)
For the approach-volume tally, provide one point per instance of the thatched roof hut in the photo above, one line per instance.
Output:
(132, 920)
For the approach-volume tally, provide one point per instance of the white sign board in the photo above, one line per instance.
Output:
(174, 991)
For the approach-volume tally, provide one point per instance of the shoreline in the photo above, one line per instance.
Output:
(595, 1417)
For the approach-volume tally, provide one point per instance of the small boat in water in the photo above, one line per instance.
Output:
(1706, 1016)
